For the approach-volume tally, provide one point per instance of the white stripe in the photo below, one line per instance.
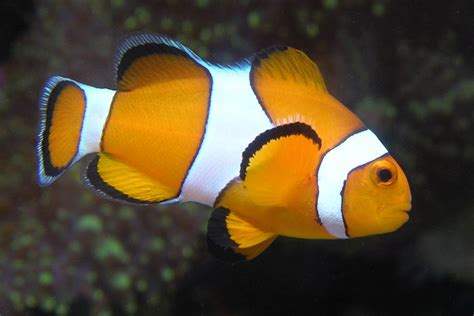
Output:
(235, 119)
(98, 103)
(335, 167)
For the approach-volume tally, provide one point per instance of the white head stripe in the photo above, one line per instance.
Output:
(336, 165)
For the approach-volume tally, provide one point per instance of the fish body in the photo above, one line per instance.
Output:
(262, 141)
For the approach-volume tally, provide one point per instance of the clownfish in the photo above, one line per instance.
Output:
(262, 142)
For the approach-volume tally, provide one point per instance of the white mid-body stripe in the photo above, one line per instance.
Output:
(355, 151)
(98, 103)
(235, 119)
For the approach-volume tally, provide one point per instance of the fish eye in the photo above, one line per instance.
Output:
(383, 173)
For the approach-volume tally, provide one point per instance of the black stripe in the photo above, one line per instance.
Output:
(144, 50)
(342, 209)
(49, 169)
(256, 62)
(318, 217)
(296, 128)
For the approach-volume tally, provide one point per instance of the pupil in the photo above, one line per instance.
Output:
(385, 175)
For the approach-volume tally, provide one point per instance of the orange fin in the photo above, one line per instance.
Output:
(62, 108)
(146, 59)
(279, 162)
(116, 180)
(231, 238)
(288, 66)
(290, 88)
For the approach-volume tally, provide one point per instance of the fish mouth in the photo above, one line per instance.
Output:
(398, 212)
(406, 208)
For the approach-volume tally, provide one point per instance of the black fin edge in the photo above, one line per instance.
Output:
(219, 242)
(266, 53)
(275, 133)
(139, 38)
(45, 157)
(159, 42)
(94, 180)
(144, 50)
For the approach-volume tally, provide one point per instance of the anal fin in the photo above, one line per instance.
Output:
(119, 181)
(232, 238)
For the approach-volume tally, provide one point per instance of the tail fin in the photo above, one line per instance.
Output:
(62, 111)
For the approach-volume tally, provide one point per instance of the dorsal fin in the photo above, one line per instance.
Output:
(146, 58)
(116, 180)
(276, 162)
(290, 65)
(290, 87)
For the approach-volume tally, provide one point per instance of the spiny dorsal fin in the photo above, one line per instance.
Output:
(231, 238)
(146, 58)
(288, 65)
(118, 181)
(277, 161)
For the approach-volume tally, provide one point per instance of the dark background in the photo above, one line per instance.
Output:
(405, 67)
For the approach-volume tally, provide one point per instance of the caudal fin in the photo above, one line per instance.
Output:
(62, 109)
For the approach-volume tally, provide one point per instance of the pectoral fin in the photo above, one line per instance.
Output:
(277, 181)
(232, 238)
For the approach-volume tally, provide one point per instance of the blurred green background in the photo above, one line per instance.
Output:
(405, 67)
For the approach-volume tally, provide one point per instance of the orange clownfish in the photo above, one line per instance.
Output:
(262, 141)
